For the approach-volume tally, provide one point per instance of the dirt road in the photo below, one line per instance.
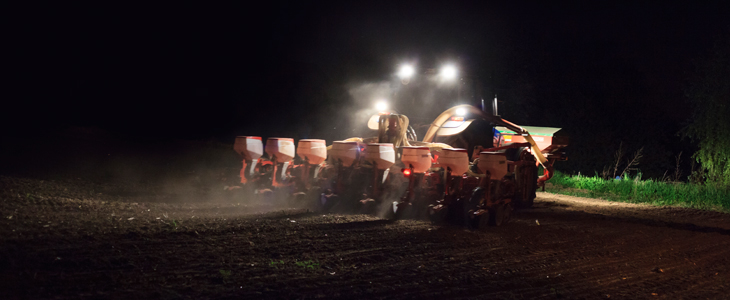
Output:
(76, 239)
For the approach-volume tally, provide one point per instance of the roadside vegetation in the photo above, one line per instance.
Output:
(709, 125)
(708, 185)
(635, 190)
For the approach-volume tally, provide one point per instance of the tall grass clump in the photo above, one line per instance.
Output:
(635, 190)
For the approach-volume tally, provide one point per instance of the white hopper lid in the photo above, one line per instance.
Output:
(457, 159)
(314, 150)
(347, 152)
(494, 162)
(381, 154)
(282, 148)
(249, 147)
(418, 157)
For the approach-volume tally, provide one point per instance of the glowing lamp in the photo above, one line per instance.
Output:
(406, 71)
(381, 105)
(448, 72)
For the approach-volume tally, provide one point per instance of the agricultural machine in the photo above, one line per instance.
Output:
(279, 172)
(392, 174)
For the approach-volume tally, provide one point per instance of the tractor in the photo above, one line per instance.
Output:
(471, 168)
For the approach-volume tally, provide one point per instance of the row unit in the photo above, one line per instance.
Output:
(382, 155)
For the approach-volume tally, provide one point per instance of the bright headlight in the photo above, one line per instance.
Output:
(448, 72)
(406, 71)
(381, 105)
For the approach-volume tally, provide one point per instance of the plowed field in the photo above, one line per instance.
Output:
(77, 239)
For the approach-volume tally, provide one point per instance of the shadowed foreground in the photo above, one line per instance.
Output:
(75, 239)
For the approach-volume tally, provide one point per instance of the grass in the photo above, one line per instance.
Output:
(709, 197)
(276, 264)
(309, 264)
(225, 273)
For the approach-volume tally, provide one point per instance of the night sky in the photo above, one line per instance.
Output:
(605, 71)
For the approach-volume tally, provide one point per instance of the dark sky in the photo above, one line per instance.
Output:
(217, 70)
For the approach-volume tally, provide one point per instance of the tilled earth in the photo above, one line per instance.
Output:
(78, 239)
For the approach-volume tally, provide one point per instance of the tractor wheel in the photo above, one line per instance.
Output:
(526, 183)
(526, 202)
(501, 214)
(525, 195)
(514, 154)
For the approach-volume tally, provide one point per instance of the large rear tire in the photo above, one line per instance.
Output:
(526, 178)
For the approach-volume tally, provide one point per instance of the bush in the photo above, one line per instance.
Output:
(710, 123)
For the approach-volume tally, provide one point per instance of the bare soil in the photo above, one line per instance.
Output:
(82, 239)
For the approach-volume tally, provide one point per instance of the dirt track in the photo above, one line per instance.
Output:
(75, 239)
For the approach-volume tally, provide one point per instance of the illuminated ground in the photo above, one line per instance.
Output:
(76, 239)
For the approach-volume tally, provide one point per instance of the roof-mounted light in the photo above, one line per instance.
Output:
(406, 71)
(381, 105)
(448, 72)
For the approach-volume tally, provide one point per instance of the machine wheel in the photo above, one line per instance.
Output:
(392, 213)
(526, 202)
(283, 196)
(297, 199)
(312, 198)
(319, 204)
(367, 206)
(501, 214)
(527, 183)
(402, 211)
(437, 217)
(514, 154)
(471, 206)
(480, 222)
(326, 202)
(531, 195)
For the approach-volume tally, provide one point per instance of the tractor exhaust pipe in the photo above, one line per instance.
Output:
(494, 106)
